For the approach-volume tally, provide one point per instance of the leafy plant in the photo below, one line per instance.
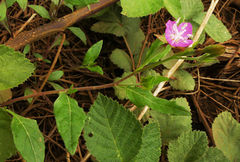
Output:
(15, 68)
(112, 132)
(91, 55)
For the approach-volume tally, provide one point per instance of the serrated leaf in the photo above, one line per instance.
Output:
(121, 59)
(5, 95)
(190, 146)
(151, 144)
(70, 119)
(182, 81)
(95, 68)
(213, 155)
(120, 90)
(81, 3)
(141, 97)
(22, 4)
(27, 137)
(190, 8)
(92, 53)
(41, 11)
(56, 75)
(15, 68)
(214, 28)
(226, 134)
(7, 147)
(173, 7)
(156, 52)
(139, 8)
(115, 130)
(79, 33)
(3, 10)
(173, 126)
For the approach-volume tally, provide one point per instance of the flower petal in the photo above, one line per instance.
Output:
(187, 27)
(185, 43)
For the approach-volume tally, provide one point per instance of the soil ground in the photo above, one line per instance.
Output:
(217, 90)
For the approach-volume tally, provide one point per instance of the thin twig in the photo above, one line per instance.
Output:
(85, 158)
(68, 157)
(130, 53)
(24, 25)
(180, 61)
(145, 41)
(48, 74)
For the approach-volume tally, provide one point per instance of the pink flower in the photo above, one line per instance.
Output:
(178, 35)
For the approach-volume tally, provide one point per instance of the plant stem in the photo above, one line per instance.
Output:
(180, 61)
(58, 25)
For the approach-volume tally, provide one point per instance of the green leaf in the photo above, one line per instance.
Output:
(120, 90)
(70, 119)
(121, 59)
(150, 81)
(5, 95)
(92, 53)
(141, 97)
(79, 33)
(56, 75)
(226, 134)
(195, 28)
(139, 8)
(214, 28)
(3, 10)
(69, 5)
(134, 35)
(213, 155)
(27, 137)
(28, 91)
(173, 7)
(190, 8)
(156, 52)
(190, 146)
(81, 3)
(55, 2)
(95, 68)
(114, 23)
(112, 133)
(26, 49)
(173, 126)
(108, 28)
(170, 63)
(22, 4)
(56, 86)
(151, 144)
(182, 80)
(41, 11)
(58, 40)
(15, 68)
(10, 2)
(7, 147)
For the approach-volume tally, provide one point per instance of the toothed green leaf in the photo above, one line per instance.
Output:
(15, 68)
(112, 133)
